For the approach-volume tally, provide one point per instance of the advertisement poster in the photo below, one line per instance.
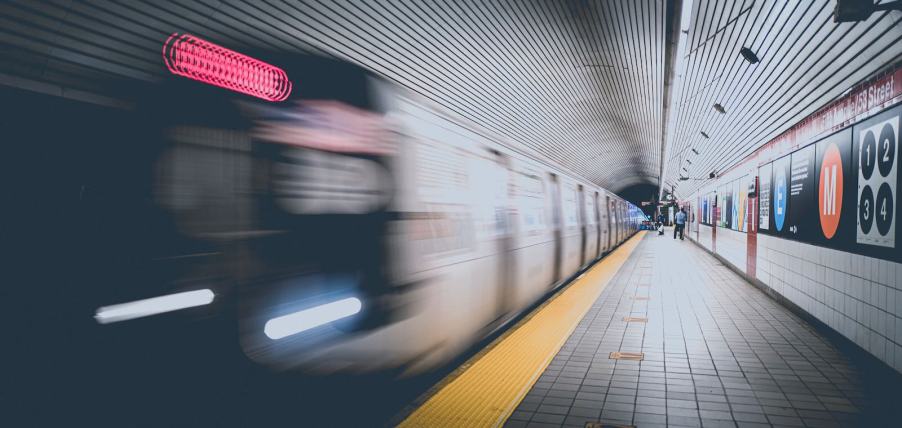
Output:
(704, 209)
(742, 206)
(728, 205)
(749, 218)
(876, 153)
(722, 205)
(764, 179)
(834, 197)
(734, 205)
(712, 200)
(801, 221)
(780, 194)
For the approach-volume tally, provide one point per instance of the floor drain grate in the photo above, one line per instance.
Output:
(635, 319)
(632, 356)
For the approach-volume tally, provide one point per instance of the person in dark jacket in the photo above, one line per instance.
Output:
(679, 222)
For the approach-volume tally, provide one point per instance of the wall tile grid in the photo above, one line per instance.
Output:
(732, 246)
(704, 236)
(858, 296)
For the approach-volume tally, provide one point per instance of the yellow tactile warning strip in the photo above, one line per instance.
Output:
(487, 392)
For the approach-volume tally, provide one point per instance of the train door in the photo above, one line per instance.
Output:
(610, 215)
(624, 221)
(596, 213)
(621, 220)
(581, 217)
(504, 232)
(557, 225)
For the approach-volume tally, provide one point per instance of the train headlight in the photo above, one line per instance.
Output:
(297, 322)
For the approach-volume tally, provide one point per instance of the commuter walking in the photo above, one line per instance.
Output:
(679, 222)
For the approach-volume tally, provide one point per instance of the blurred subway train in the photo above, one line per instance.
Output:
(349, 227)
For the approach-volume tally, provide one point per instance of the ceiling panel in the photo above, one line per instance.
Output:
(807, 61)
(578, 82)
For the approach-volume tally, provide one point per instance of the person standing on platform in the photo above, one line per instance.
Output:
(679, 222)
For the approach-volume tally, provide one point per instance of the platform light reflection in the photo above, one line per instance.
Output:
(291, 324)
(153, 306)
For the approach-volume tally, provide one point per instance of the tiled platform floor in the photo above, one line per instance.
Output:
(718, 352)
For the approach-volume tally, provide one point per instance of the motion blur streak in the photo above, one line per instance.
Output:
(297, 322)
(153, 306)
(194, 58)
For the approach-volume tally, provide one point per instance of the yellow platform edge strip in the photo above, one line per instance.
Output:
(487, 392)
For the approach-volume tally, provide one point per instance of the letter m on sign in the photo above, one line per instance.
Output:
(829, 207)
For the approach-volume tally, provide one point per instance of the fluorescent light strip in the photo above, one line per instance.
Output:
(300, 321)
(153, 306)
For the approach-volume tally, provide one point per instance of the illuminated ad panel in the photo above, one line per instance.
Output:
(840, 192)
(722, 205)
(876, 156)
(764, 191)
(712, 202)
(734, 204)
(780, 194)
(834, 198)
(728, 205)
(800, 220)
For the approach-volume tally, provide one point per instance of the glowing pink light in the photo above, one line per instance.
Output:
(194, 58)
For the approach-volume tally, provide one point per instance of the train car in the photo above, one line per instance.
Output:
(348, 226)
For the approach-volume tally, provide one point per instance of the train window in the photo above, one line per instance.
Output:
(444, 229)
(590, 209)
(529, 194)
(570, 207)
(442, 172)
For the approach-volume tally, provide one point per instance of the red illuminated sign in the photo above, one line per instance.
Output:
(197, 59)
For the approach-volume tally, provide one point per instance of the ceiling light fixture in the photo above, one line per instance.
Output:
(694, 151)
(749, 55)
(705, 135)
(719, 108)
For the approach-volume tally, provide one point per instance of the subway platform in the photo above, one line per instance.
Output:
(673, 338)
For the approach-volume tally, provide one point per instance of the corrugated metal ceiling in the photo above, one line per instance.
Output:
(576, 81)
(806, 61)
(579, 82)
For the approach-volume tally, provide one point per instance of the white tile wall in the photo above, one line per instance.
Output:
(732, 246)
(704, 236)
(858, 296)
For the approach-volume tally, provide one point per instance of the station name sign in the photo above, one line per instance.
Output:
(869, 97)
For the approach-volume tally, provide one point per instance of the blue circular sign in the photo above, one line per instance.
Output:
(780, 200)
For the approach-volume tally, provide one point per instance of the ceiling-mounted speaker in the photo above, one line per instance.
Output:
(749, 55)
